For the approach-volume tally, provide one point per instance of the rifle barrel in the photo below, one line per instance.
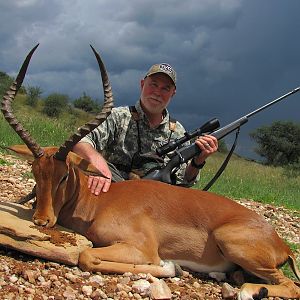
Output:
(273, 102)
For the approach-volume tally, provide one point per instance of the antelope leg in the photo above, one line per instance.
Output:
(120, 258)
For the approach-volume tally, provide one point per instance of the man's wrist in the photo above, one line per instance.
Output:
(197, 166)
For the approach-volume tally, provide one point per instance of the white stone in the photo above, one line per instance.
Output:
(87, 290)
(13, 278)
(141, 286)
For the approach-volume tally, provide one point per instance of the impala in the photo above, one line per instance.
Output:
(148, 226)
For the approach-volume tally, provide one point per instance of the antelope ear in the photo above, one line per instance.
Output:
(85, 166)
(22, 151)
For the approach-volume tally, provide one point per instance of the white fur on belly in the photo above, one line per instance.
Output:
(223, 267)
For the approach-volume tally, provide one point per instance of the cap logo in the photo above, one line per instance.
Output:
(166, 68)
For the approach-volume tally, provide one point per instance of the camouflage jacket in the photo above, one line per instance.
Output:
(117, 139)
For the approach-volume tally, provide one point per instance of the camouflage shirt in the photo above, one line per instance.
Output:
(117, 139)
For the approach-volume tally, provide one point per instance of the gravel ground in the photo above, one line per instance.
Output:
(26, 277)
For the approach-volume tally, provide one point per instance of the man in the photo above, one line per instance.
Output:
(116, 147)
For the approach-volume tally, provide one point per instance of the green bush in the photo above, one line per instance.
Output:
(86, 103)
(55, 104)
(279, 143)
(33, 94)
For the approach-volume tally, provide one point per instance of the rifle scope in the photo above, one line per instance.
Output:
(207, 128)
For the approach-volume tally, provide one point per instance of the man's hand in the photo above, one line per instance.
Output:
(208, 145)
(96, 184)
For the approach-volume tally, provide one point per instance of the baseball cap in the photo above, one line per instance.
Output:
(163, 68)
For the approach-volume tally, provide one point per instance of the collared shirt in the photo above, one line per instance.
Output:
(117, 138)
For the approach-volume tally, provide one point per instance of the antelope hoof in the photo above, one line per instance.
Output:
(45, 222)
(244, 295)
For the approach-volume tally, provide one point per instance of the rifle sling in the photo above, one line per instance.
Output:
(224, 164)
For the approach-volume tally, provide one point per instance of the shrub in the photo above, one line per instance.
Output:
(33, 94)
(279, 143)
(86, 103)
(55, 104)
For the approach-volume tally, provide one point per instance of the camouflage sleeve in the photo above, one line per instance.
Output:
(102, 135)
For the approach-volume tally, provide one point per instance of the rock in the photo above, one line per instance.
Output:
(73, 278)
(87, 290)
(30, 275)
(98, 280)
(13, 279)
(159, 290)
(18, 232)
(100, 293)
(123, 288)
(141, 286)
(69, 293)
(228, 291)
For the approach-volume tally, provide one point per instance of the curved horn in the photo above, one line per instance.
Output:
(7, 111)
(64, 149)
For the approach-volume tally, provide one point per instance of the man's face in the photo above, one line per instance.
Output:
(157, 91)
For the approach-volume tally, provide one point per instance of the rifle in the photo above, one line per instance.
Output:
(182, 155)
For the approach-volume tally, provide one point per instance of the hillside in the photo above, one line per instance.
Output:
(45, 130)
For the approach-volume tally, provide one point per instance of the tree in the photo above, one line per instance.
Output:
(54, 104)
(33, 94)
(279, 143)
(86, 103)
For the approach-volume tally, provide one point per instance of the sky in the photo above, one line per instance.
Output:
(231, 56)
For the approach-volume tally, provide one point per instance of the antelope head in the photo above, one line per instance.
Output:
(52, 167)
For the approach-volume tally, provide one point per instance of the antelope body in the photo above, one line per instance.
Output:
(148, 226)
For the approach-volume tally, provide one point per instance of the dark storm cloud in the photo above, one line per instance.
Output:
(230, 55)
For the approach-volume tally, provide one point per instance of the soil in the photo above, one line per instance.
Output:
(57, 238)
(26, 277)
